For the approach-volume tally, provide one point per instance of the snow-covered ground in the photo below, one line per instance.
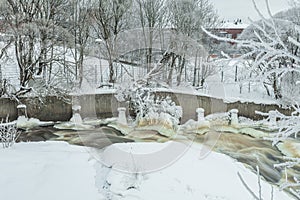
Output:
(48, 171)
(93, 66)
(229, 89)
(56, 170)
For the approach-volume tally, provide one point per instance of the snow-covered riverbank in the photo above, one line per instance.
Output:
(57, 170)
(48, 171)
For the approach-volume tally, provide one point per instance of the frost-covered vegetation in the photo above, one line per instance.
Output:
(272, 47)
(149, 108)
(55, 47)
(44, 44)
(8, 133)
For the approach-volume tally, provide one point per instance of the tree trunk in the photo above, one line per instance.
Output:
(170, 75)
(111, 72)
(267, 89)
(195, 71)
(42, 62)
(276, 88)
(80, 67)
(202, 82)
(236, 74)
(149, 57)
(181, 67)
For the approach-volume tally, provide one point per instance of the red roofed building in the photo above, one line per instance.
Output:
(231, 29)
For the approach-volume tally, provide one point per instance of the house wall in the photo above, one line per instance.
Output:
(234, 32)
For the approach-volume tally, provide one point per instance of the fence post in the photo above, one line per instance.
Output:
(234, 118)
(122, 116)
(200, 112)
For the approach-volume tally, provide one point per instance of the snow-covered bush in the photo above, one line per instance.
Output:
(8, 134)
(149, 108)
(289, 126)
(286, 126)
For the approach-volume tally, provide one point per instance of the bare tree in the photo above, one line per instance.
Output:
(152, 15)
(34, 25)
(81, 20)
(21, 16)
(109, 21)
(4, 85)
(187, 17)
(47, 26)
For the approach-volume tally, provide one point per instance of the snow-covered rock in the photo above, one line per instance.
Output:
(198, 127)
(290, 148)
(25, 123)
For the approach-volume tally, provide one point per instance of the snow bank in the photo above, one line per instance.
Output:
(48, 171)
(189, 178)
(57, 170)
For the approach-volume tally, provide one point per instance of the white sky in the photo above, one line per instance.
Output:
(233, 9)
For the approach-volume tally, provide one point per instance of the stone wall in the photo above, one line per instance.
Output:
(105, 105)
(49, 109)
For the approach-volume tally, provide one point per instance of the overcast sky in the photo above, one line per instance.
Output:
(233, 9)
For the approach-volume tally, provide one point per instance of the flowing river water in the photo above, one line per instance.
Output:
(244, 148)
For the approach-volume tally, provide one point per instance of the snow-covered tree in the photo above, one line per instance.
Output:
(21, 17)
(203, 69)
(272, 45)
(272, 33)
(35, 27)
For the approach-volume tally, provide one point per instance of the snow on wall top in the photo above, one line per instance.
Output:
(232, 25)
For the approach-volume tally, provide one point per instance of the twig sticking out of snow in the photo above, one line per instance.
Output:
(248, 188)
(293, 186)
